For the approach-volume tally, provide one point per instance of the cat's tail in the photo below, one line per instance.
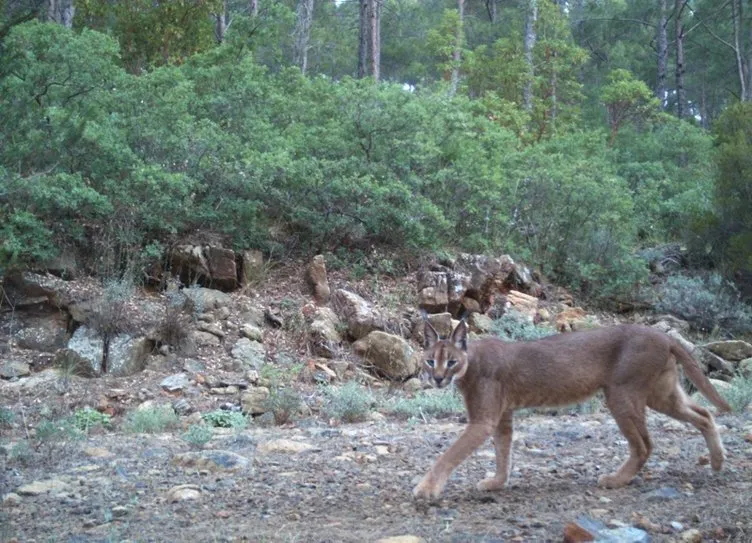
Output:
(695, 374)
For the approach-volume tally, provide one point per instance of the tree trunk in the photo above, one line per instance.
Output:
(742, 67)
(253, 8)
(457, 53)
(221, 23)
(375, 38)
(530, 38)
(61, 12)
(681, 93)
(662, 42)
(363, 40)
(302, 34)
(491, 8)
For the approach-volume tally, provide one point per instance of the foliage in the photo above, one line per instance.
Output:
(225, 419)
(284, 403)
(348, 403)
(151, 420)
(7, 416)
(706, 302)
(515, 326)
(739, 393)
(627, 100)
(87, 418)
(428, 403)
(198, 435)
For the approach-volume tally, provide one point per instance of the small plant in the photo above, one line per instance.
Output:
(109, 315)
(151, 420)
(48, 431)
(173, 329)
(7, 416)
(348, 403)
(283, 403)
(705, 302)
(21, 453)
(198, 435)
(739, 393)
(514, 326)
(428, 403)
(225, 419)
(87, 418)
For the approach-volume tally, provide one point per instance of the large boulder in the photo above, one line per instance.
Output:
(733, 350)
(323, 329)
(206, 299)
(11, 369)
(360, 316)
(388, 355)
(224, 272)
(43, 332)
(250, 354)
(126, 355)
(208, 265)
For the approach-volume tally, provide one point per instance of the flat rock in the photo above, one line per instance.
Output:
(250, 353)
(10, 369)
(175, 382)
(43, 487)
(183, 493)
(212, 460)
(734, 350)
(665, 493)
(283, 446)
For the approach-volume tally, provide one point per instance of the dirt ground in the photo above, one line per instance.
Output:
(353, 483)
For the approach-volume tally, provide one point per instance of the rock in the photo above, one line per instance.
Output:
(433, 291)
(323, 330)
(250, 354)
(413, 385)
(212, 329)
(127, 355)
(390, 355)
(574, 533)
(206, 299)
(252, 332)
(43, 487)
(441, 322)
(97, 452)
(664, 493)
(317, 281)
(734, 350)
(212, 460)
(719, 385)
(205, 339)
(587, 529)
(119, 511)
(189, 263)
(524, 303)
(182, 493)
(480, 323)
(45, 333)
(182, 407)
(626, 534)
(34, 382)
(745, 368)
(175, 382)
(253, 400)
(669, 322)
(223, 313)
(569, 319)
(360, 316)
(339, 367)
(690, 536)
(11, 369)
(283, 446)
(89, 347)
(401, 539)
(11, 500)
(252, 267)
(224, 274)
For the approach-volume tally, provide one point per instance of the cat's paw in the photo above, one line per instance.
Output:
(427, 489)
(491, 484)
(612, 480)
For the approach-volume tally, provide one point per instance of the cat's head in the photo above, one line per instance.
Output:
(445, 360)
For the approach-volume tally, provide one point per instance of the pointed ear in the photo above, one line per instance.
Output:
(430, 334)
(459, 336)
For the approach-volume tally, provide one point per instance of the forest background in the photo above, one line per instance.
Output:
(598, 141)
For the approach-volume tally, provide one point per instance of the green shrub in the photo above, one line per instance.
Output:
(7, 416)
(198, 435)
(705, 302)
(225, 419)
(515, 326)
(283, 403)
(739, 393)
(88, 418)
(348, 403)
(435, 403)
(22, 453)
(151, 420)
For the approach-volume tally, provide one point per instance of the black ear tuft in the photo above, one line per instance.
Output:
(431, 336)
(459, 336)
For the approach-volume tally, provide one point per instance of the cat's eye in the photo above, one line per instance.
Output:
(451, 363)
(430, 363)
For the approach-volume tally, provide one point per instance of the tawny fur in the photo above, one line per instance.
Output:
(635, 367)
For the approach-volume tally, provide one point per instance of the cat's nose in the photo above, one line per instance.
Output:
(438, 379)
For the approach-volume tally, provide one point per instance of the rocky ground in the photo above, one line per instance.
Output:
(317, 478)
(315, 481)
